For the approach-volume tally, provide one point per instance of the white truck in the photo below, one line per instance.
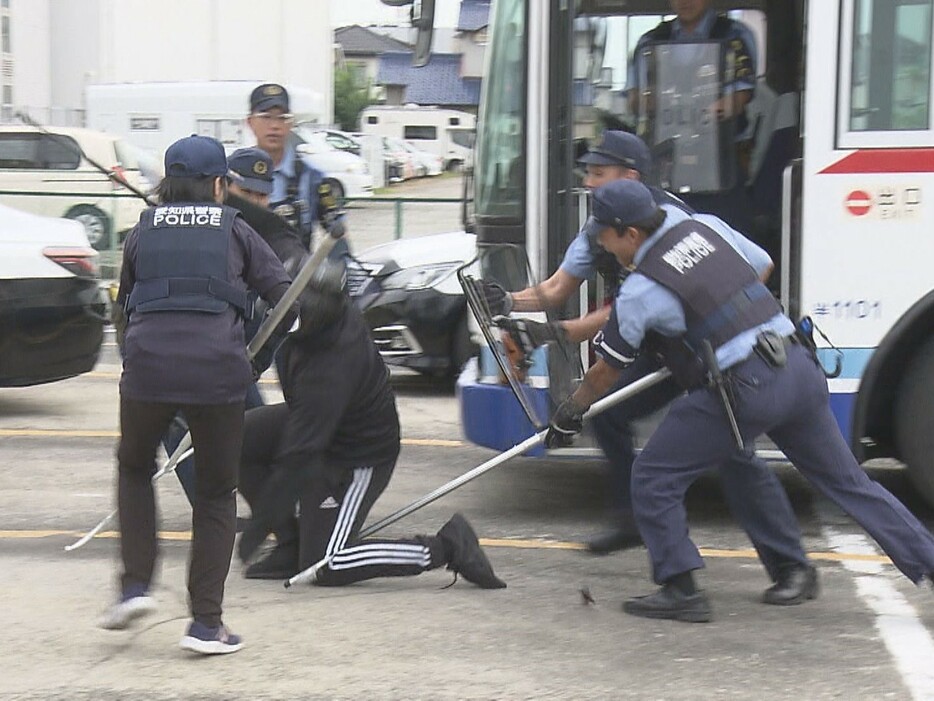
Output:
(154, 115)
(447, 133)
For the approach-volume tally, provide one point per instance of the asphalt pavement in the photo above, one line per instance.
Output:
(868, 636)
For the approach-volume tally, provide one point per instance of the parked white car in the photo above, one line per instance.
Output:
(427, 163)
(44, 172)
(52, 311)
(348, 174)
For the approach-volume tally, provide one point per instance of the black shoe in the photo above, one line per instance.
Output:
(281, 563)
(254, 534)
(465, 556)
(669, 602)
(795, 585)
(615, 539)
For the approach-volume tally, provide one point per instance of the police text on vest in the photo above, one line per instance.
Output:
(690, 250)
(188, 215)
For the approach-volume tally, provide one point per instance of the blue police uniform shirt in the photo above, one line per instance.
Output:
(738, 30)
(580, 256)
(643, 304)
(307, 185)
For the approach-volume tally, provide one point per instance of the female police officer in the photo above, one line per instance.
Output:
(695, 285)
(186, 269)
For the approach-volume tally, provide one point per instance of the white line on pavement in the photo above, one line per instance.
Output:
(908, 641)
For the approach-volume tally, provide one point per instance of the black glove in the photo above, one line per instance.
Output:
(529, 335)
(566, 423)
(498, 301)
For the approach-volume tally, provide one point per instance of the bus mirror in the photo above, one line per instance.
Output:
(423, 19)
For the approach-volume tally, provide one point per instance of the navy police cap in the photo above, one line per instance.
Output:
(267, 96)
(251, 168)
(619, 148)
(195, 157)
(623, 203)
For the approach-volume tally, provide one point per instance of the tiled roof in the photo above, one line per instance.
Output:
(474, 15)
(438, 83)
(358, 41)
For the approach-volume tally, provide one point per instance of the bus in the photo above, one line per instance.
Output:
(838, 154)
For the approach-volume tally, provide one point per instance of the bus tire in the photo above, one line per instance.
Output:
(914, 420)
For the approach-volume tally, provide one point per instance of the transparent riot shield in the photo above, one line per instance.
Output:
(685, 114)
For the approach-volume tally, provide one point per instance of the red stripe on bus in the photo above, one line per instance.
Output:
(895, 160)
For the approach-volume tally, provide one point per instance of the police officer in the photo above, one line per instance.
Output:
(186, 269)
(334, 444)
(748, 374)
(295, 182)
(250, 173)
(697, 21)
(746, 479)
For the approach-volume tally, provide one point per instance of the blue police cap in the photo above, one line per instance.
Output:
(194, 157)
(251, 169)
(267, 96)
(619, 148)
(623, 203)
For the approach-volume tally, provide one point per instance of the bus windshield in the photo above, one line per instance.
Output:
(499, 171)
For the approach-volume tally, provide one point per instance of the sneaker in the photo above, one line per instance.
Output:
(210, 641)
(465, 556)
(128, 609)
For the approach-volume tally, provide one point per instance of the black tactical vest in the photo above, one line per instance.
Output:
(720, 291)
(181, 263)
(293, 206)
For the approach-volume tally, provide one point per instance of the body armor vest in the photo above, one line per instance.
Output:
(293, 206)
(721, 293)
(181, 263)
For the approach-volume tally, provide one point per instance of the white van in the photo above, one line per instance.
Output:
(44, 172)
(447, 133)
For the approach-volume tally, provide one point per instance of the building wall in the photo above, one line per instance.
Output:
(25, 69)
(83, 42)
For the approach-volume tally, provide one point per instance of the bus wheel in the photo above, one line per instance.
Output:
(914, 413)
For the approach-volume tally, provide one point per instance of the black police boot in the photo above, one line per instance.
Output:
(672, 602)
(623, 536)
(465, 556)
(280, 563)
(796, 584)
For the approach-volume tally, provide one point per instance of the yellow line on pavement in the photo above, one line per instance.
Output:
(525, 543)
(76, 433)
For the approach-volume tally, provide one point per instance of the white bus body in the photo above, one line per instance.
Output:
(850, 103)
(447, 133)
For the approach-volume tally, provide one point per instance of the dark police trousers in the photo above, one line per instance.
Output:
(753, 493)
(333, 507)
(791, 406)
(216, 431)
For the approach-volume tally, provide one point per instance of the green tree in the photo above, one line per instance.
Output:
(351, 95)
